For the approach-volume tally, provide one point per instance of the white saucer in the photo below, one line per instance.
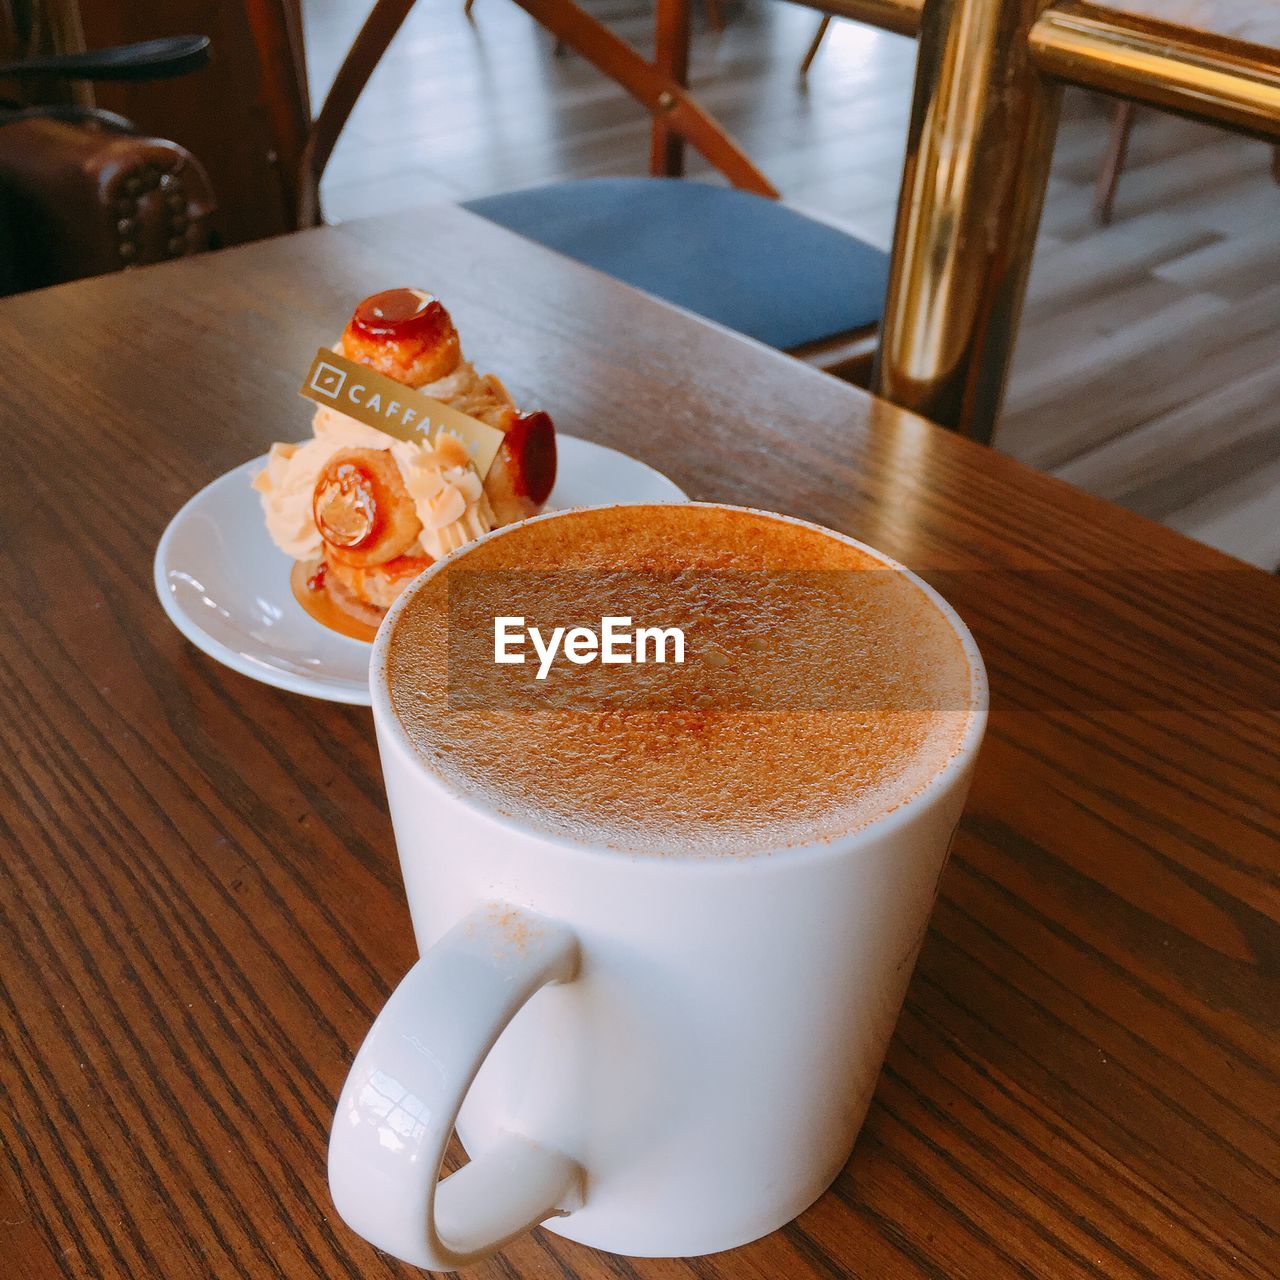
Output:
(225, 584)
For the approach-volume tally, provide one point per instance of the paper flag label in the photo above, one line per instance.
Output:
(399, 411)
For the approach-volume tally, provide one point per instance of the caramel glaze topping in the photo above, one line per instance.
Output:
(362, 508)
(531, 438)
(346, 510)
(402, 313)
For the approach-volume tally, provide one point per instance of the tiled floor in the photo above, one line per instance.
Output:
(1147, 367)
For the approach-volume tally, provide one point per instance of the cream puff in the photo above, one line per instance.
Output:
(362, 512)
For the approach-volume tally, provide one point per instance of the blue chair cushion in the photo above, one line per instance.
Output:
(751, 264)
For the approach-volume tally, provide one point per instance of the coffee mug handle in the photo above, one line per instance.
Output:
(405, 1088)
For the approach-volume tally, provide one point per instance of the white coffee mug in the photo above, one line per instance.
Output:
(651, 1054)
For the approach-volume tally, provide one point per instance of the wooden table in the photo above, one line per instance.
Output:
(200, 904)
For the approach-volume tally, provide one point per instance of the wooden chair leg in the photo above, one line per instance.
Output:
(671, 58)
(848, 356)
(818, 37)
(715, 17)
(1104, 193)
(380, 27)
(654, 90)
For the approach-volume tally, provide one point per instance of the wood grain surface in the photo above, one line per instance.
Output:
(201, 910)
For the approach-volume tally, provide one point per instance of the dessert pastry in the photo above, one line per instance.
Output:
(362, 512)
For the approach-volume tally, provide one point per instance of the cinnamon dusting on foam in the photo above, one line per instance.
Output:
(650, 778)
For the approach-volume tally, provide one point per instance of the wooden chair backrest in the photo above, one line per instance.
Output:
(276, 27)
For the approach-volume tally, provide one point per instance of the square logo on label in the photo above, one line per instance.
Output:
(328, 380)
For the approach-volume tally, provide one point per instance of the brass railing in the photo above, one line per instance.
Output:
(1192, 72)
(983, 121)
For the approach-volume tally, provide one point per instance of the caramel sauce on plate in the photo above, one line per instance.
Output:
(307, 581)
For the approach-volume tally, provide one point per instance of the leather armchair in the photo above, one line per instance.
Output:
(82, 193)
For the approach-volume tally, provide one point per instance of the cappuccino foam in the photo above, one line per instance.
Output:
(821, 689)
